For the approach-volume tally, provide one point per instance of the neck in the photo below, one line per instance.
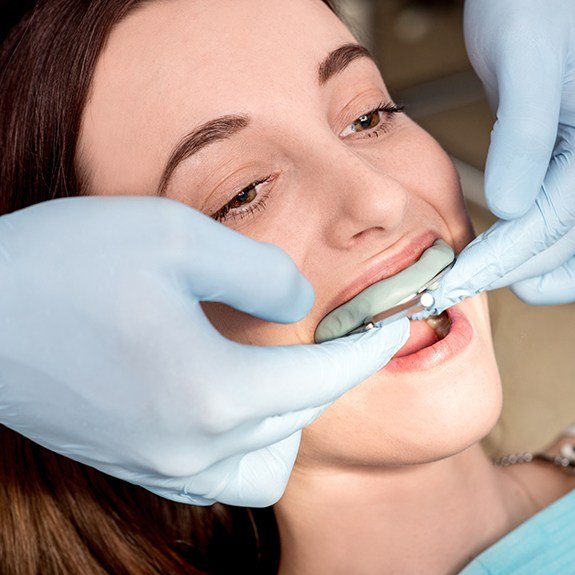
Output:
(431, 518)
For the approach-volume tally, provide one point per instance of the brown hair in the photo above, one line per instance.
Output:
(58, 516)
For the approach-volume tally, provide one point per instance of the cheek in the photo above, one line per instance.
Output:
(427, 172)
(448, 199)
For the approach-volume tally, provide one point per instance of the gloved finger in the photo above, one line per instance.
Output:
(544, 262)
(524, 133)
(201, 256)
(254, 277)
(304, 376)
(553, 288)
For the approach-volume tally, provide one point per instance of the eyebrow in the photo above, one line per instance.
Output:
(338, 60)
(216, 130)
(225, 127)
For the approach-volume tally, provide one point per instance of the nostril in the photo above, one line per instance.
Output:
(369, 232)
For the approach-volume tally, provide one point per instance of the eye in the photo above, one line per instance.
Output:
(246, 196)
(366, 122)
(373, 121)
(244, 203)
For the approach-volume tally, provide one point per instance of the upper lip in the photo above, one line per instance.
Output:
(406, 253)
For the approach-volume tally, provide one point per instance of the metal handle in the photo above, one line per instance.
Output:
(420, 302)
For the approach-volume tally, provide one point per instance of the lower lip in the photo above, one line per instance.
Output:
(458, 338)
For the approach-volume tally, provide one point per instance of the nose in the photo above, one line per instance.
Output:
(367, 200)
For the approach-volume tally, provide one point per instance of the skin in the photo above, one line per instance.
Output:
(395, 464)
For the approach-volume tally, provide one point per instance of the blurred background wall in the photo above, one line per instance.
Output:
(420, 47)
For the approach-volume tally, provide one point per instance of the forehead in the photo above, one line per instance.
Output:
(174, 64)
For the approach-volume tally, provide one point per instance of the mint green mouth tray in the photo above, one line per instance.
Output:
(386, 294)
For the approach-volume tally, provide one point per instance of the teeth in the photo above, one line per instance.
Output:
(440, 323)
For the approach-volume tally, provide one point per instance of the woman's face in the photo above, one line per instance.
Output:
(302, 159)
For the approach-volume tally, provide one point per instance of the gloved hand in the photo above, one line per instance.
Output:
(106, 356)
(538, 245)
(524, 52)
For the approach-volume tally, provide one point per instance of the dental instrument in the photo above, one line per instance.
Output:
(421, 301)
(402, 295)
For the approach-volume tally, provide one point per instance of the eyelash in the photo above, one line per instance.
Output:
(226, 212)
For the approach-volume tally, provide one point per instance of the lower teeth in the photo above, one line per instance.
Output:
(441, 324)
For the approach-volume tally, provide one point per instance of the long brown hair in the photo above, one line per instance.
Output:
(58, 516)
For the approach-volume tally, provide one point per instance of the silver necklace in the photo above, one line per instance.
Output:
(566, 459)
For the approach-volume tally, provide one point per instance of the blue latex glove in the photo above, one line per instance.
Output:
(106, 356)
(524, 52)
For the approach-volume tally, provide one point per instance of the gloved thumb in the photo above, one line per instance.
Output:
(313, 375)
